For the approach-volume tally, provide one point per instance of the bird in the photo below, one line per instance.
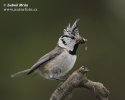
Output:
(58, 62)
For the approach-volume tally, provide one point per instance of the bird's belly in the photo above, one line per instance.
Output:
(59, 66)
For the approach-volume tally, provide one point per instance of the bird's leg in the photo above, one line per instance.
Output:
(59, 79)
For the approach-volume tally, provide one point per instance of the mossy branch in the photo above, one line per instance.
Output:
(78, 79)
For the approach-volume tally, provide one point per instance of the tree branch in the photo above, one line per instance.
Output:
(78, 79)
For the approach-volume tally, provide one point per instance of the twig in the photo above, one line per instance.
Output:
(78, 79)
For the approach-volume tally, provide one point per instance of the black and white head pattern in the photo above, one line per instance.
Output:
(70, 39)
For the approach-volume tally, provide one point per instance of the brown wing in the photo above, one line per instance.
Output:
(54, 53)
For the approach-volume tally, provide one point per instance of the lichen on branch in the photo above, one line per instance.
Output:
(78, 79)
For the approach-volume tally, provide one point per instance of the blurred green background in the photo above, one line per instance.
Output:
(26, 36)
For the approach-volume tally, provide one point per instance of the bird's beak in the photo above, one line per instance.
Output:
(83, 40)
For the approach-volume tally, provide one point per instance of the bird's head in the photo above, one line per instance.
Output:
(71, 37)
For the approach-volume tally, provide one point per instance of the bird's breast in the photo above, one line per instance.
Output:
(61, 64)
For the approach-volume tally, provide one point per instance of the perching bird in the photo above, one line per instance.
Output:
(59, 61)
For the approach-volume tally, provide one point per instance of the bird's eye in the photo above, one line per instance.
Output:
(72, 37)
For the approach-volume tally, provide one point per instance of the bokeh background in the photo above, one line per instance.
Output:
(26, 36)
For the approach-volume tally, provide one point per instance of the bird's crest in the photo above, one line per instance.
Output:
(72, 29)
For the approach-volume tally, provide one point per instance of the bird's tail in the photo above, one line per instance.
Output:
(21, 73)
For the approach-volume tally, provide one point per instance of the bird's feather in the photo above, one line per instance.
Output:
(52, 54)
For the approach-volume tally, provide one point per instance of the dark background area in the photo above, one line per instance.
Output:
(26, 36)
